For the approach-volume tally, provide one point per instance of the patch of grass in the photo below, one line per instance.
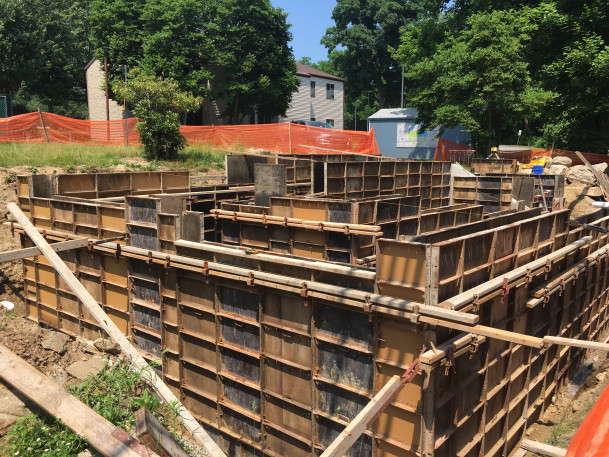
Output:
(115, 393)
(199, 157)
(562, 433)
(78, 157)
(64, 155)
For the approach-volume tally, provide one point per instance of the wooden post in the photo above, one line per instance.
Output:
(114, 332)
(55, 400)
(370, 413)
(44, 129)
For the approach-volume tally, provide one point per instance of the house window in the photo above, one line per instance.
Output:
(312, 118)
(330, 91)
(313, 89)
(330, 121)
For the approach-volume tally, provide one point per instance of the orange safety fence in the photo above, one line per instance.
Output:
(284, 137)
(525, 155)
(592, 436)
(455, 152)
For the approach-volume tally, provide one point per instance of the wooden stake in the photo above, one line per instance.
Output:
(57, 402)
(543, 449)
(148, 428)
(114, 332)
(44, 129)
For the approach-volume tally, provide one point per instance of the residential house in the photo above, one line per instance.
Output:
(96, 95)
(320, 97)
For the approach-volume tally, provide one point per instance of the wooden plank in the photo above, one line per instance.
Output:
(543, 449)
(18, 254)
(115, 333)
(602, 179)
(57, 402)
(370, 413)
(559, 341)
(146, 426)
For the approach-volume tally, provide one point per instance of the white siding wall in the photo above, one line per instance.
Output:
(305, 107)
(96, 96)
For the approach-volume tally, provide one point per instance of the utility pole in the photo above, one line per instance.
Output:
(402, 97)
(124, 107)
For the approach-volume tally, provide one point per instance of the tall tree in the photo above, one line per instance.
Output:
(234, 50)
(366, 29)
(259, 70)
(477, 78)
(44, 47)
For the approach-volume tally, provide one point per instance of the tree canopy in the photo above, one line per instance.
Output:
(44, 46)
(220, 49)
(547, 77)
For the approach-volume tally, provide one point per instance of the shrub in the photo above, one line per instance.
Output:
(158, 103)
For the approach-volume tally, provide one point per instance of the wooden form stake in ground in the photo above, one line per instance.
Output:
(601, 178)
(57, 402)
(150, 431)
(114, 332)
(370, 413)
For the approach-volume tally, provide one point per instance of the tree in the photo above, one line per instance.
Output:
(44, 47)
(220, 49)
(259, 70)
(158, 103)
(477, 77)
(366, 29)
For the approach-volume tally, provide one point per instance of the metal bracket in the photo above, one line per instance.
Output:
(449, 361)
(118, 250)
(414, 316)
(547, 269)
(505, 289)
(303, 290)
(205, 272)
(474, 346)
(149, 259)
(476, 303)
(167, 262)
(561, 288)
(250, 279)
(367, 305)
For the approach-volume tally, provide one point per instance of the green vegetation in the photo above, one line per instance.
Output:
(77, 157)
(158, 103)
(239, 48)
(115, 393)
(562, 433)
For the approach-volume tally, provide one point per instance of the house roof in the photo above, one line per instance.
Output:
(90, 63)
(395, 113)
(305, 70)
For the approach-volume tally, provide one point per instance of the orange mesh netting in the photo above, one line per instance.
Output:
(455, 152)
(285, 137)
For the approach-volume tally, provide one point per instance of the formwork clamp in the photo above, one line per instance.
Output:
(474, 345)
(250, 279)
(149, 259)
(205, 271)
(167, 261)
(414, 315)
(505, 289)
(547, 269)
(561, 287)
(476, 303)
(304, 292)
(368, 305)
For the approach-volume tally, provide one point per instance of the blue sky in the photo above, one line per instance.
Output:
(309, 19)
